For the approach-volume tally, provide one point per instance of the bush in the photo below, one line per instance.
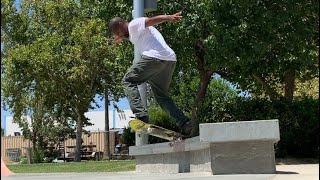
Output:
(219, 95)
(128, 137)
(44, 155)
(24, 160)
(298, 121)
(38, 155)
(299, 127)
(50, 154)
(161, 118)
(218, 98)
(158, 117)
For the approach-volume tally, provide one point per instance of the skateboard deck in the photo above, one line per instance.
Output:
(153, 130)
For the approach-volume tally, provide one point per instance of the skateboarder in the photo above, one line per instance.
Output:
(155, 66)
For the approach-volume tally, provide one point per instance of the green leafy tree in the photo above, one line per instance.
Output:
(220, 95)
(260, 46)
(59, 52)
(308, 88)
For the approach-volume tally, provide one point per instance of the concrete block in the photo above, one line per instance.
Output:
(245, 147)
(200, 160)
(141, 139)
(163, 163)
(190, 144)
(262, 130)
(170, 158)
(251, 157)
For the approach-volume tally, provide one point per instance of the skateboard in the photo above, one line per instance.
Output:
(153, 130)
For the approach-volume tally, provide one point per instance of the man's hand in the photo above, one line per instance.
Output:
(163, 18)
(175, 17)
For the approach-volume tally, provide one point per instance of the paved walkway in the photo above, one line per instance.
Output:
(284, 172)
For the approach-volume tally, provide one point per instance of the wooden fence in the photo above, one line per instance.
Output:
(18, 144)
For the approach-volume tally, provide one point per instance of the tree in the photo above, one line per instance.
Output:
(59, 52)
(220, 95)
(307, 88)
(262, 47)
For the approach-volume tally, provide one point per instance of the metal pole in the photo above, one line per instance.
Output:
(138, 11)
(114, 117)
(106, 127)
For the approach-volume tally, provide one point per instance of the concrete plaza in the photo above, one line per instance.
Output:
(284, 172)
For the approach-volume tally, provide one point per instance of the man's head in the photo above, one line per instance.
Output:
(119, 28)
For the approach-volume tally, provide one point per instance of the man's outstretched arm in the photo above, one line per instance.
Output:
(163, 18)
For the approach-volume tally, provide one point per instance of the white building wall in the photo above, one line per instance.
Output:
(115, 122)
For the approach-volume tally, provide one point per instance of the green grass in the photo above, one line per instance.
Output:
(88, 166)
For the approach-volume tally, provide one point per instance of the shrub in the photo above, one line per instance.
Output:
(38, 155)
(298, 121)
(218, 98)
(24, 160)
(128, 137)
(161, 118)
(158, 117)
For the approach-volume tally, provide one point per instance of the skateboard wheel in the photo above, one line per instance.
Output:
(150, 130)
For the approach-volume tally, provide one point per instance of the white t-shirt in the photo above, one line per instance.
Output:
(149, 41)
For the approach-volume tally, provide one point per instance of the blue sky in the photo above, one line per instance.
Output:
(122, 104)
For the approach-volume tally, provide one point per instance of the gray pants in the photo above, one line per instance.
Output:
(158, 74)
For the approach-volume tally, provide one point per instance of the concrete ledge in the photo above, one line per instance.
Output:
(250, 157)
(262, 130)
(175, 158)
(163, 163)
(200, 160)
(245, 147)
(190, 144)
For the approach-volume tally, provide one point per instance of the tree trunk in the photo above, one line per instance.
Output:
(78, 137)
(29, 153)
(289, 84)
(33, 139)
(205, 77)
(106, 128)
(34, 146)
(204, 83)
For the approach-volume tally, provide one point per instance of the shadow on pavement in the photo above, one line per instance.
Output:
(286, 172)
(296, 161)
